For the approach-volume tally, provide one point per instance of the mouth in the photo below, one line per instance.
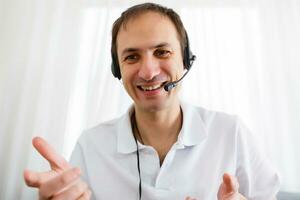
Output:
(151, 87)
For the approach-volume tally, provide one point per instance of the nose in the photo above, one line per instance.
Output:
(149, 67)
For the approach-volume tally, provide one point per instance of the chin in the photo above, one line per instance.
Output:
(154, 106)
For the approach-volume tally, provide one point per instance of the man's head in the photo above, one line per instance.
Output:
(137, 10)
(148, 44)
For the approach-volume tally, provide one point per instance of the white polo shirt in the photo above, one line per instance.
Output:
(209, 144)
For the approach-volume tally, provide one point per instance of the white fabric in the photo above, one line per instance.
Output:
(209, 144)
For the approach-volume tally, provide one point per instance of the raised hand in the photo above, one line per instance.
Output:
(228, 190)
(190, 198)
(61, 182)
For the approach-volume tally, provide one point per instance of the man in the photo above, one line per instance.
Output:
(161, 148)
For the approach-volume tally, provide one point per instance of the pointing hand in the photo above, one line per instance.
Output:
(61, 182)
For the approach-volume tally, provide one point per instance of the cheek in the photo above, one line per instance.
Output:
(176, 67)
(125, 72)
(128, 76)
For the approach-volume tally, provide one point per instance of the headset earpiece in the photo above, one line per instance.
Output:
(188, 57)
(115, 68)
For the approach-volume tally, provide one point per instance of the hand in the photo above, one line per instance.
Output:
(61, 182)
(190, 198)
(229, 189)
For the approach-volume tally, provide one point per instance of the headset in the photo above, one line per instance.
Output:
(188, 59)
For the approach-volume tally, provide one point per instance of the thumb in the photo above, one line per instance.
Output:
(228, 188)
(190, 198)
(230, 183)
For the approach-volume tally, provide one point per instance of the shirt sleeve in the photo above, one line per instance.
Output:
(78, 160)
(258, 179)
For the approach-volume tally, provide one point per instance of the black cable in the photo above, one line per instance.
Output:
(133, 123)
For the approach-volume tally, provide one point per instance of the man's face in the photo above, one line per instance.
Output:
(149, 54)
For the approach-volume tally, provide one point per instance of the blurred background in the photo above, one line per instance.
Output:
(55, 78)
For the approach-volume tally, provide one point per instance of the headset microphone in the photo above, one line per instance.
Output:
(173, 84)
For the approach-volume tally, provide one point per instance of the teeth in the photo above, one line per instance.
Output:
(149, 88)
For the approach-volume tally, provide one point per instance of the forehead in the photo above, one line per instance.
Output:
(147, 30)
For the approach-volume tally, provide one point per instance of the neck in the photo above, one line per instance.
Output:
(159, 129)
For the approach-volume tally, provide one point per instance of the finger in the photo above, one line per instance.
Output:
(189, 198)
(35, 179)
(86, 196)
(57, 162)
(75, 191)
(59, 182)
(241, 197)
(230, 183)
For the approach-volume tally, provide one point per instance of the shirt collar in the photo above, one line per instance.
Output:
(125, 139)
(193, 129)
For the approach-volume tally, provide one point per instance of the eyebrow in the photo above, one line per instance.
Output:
(129, 50)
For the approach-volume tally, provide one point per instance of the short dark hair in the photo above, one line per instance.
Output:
(140, 9)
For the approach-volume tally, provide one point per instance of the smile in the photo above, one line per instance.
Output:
(151, 87)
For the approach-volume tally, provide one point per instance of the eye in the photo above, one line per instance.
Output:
(131, 58)
(162, 53)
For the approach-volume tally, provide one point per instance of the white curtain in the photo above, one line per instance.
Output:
(55, 75)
